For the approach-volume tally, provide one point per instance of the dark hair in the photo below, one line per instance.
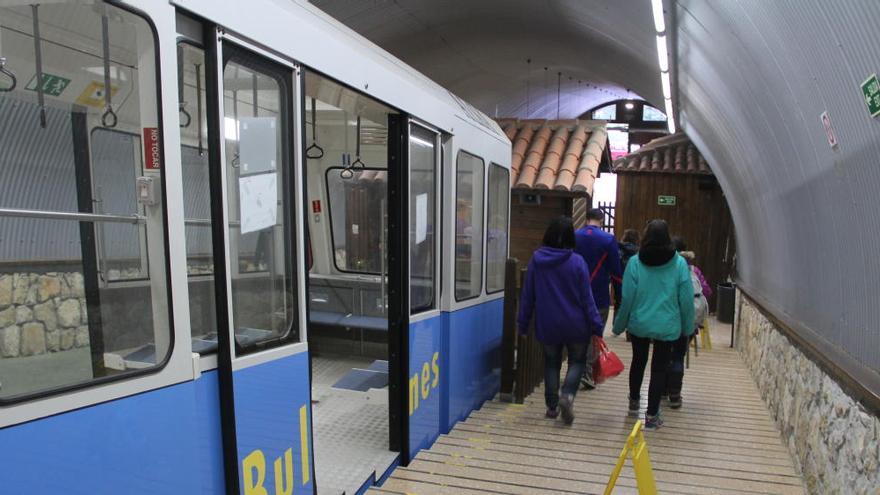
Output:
(631, 236)
(657, 235)
(678, 242)
(596, 214)
(560, 234)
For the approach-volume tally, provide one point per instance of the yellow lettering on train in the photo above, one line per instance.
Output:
(413, 393)
(304, 444)
(421, 384)
(284, 483)
(436, 369)
(254, 462)
(426, 381)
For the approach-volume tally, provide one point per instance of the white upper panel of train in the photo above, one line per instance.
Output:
(305, 34)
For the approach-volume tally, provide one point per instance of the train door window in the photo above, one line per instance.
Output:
(73, 124)
(468, 226)
(497, 228)
(256, 106)
(423, 155)
(197, 200)
(116, 163)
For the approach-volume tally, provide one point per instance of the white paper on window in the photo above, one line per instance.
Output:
(421, 218)
(258, 200)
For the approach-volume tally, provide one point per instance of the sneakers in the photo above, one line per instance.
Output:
(587, 381)
(634, 407)
(566, 405)
(675, 401)
(552, 413)
(653, 422)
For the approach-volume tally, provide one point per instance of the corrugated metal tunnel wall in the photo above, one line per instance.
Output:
(753, 79)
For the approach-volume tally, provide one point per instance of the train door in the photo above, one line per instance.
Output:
(348, 164)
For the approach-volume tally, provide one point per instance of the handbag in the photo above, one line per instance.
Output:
(607, 364)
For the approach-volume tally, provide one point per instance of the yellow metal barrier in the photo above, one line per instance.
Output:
(638, 452)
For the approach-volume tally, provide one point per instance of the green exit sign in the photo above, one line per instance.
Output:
(871, 91)
(666, 200)
(52, 85)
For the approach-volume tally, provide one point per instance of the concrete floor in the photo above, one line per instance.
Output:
(26, 374)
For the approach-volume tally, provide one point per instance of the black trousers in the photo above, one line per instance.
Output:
(675, 373)
(659, 367)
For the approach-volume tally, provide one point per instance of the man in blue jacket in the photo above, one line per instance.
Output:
(599, 250)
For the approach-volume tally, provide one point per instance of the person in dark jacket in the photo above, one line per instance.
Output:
(556, 290)
(628, 247)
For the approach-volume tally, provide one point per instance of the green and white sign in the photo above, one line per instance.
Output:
(871, 91)
(52, 85)
(666, 200)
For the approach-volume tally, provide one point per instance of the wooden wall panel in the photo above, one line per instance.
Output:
(528, 223)
(700, 215)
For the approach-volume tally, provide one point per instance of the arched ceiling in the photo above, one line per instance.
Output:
(751, 79)
(479, 49)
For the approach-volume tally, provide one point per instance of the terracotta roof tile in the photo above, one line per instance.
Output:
(669, 154)
(562, 155)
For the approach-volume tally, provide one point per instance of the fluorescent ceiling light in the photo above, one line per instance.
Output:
(667, 88)
(659, 22)
(629, 105)
(670, 118)
(662, 54)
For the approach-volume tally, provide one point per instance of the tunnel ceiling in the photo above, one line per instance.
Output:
(751, 79)
(479, 49)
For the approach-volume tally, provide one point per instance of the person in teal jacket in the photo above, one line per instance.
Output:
(658, 306)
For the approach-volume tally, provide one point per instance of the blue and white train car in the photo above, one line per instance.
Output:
(242, 250)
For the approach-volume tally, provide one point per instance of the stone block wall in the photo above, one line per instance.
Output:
(42, 312)
(834, 441)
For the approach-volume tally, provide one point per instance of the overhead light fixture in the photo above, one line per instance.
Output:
(629, 105)
(662, 54)
(670, 119)
(667, 88)
(659, 22)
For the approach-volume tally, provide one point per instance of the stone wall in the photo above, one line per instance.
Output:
(834, 441)
(42, 312)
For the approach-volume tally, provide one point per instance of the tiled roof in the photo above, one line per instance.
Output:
(559, 155)
(669, 154)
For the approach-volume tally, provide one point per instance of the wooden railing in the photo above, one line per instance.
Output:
(522, 359)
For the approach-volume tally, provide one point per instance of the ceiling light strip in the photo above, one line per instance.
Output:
(663, 61)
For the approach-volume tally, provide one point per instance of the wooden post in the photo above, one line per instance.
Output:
(508, 337)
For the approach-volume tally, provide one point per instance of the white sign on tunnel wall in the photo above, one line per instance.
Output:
(829, 131)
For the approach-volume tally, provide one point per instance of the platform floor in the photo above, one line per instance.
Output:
(723, 440)
(350, 428)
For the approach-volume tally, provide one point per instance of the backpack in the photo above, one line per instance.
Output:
(701, 305)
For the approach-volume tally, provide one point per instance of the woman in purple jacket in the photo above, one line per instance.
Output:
(557, 290)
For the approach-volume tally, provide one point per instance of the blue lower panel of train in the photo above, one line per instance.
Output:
(454, 366)
(272, 423)
(164, 441)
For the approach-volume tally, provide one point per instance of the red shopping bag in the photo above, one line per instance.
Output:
(607, 364)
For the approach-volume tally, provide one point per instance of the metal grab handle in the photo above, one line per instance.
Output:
(109, 119)
(357, 152)
(72, 216)
(314, 151)
(185, 114)
(13, 81)
(346, 172)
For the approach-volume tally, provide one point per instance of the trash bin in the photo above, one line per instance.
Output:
(725, 302)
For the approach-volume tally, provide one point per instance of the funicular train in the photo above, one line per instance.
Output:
(242, 250)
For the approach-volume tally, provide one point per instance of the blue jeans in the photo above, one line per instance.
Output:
(577, 358)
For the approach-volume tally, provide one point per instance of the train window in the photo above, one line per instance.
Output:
(468, 226)
(78, 131)
(116, 164)
(422, 218)
(496, 230)
(260, 235)
(197, 200)
(357, 217)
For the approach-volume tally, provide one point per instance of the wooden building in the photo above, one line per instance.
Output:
(554, 165)
(668, 178)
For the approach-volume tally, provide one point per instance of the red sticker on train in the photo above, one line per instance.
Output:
(152, 157)
(316, 206)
